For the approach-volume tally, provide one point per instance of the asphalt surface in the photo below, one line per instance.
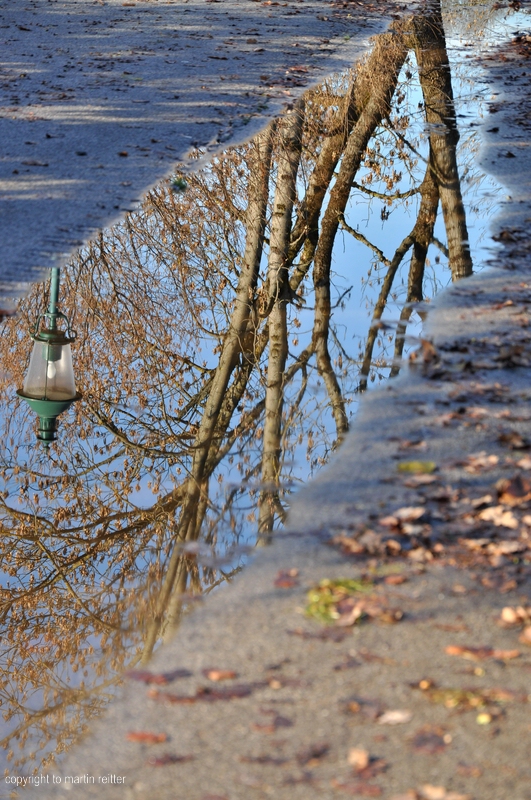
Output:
(308, 719)
(98, 101)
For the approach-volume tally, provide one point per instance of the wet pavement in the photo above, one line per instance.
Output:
(99, 101)
(301, 711)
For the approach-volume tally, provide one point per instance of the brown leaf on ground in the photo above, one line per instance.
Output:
(395, 580)
(499, 516)
(514, 440)
(219, 674)
(287, 579)
(398, 716)
(479, 462)
(357, 788)
(480, 653)
(469, 770)
(275, 722)
(358, 758)
(515, 616)
(525, 636)
(265, 759)
(312, 753)
(160, 678)
(146, 736)
(514, 491)
(429, 792)
(420, 480)
(206, 694)
(430, 740)
(167, 758)
(375, 767)
(335, 635)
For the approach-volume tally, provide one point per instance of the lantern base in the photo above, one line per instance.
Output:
(47, 412)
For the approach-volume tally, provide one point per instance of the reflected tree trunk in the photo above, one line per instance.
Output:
(423, 237)
(278, 289)
(436, 83)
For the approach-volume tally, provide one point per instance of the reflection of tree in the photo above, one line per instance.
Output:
(204, 322)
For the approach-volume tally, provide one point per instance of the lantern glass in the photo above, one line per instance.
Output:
(50, 375)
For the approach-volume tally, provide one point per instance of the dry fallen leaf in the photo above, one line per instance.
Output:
(514, 491)
(396, 717)
(479, 653)
(358, 788)
(206, 694)
(146, 736)
(480, 461)
(273, 724)
(167, 758)
(287, 579)
(417, 466)
(358, 758)
(160, 678)
(395, 580)
(410, 513)
(525, 636)
(430, 740)
(499, 516)
(220, 674)
(312, 753)
(429, 792)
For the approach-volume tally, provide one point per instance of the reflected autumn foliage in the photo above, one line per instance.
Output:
(212, 362)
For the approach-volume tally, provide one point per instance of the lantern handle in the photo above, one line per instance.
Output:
(70, 332)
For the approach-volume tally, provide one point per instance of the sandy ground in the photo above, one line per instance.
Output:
(99, 100)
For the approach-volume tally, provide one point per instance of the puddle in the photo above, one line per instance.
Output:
(225, 332)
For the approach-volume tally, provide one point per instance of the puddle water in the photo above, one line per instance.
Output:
(225, 332)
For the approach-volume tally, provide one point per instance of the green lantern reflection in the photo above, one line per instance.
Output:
(49, 388)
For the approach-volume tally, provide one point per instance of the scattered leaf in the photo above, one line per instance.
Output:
(206, 694)
(417, 466)
(287, 578)
(313, 752)
(525, 636)
(429, 740)
(514, 491)
(160, 678)
(323, 599)
(220, 674)
(276, 721)
(467, 699)
(396, 717)
(146, 736)
(265, 759)
(395, 580)
(429, 792)
(480, 653)
(358, 758)
(358, 788)
(499, 517)
(168, 758)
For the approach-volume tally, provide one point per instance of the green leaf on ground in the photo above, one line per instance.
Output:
(324, 598)
(417, 466)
